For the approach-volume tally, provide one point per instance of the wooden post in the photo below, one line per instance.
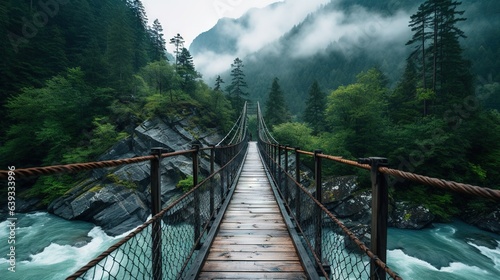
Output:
(380, 202)
(155, 209)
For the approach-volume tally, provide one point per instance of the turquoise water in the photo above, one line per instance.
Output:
(48, 247)
(447, 251)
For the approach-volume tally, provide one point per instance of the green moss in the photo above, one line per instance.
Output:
(407, 216)
(96, 188)
(117, 181)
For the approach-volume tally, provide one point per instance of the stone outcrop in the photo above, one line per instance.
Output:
(489, 221)
(118, 199)
(350, 203)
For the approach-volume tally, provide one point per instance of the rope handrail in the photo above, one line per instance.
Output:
(478, 191)
(226, 167)
(348, 232)
(78, 167)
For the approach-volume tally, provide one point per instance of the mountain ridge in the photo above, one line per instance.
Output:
(365, 34)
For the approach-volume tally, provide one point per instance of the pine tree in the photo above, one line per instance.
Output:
(437, 41)
(235, 89)
(314, 113)
(186, 70)
(218, 82)
(158, 42)
(403, 104)
(218, 94)
(178, 42)
(276, 111)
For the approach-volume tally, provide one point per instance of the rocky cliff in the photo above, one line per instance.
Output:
(118, 199)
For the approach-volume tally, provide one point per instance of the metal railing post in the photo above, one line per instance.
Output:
(285, 175)
(278, 168)
(212, 184)
(155, 209)
(318, 212)
(380, 202)
(297, 179)
(196, 194)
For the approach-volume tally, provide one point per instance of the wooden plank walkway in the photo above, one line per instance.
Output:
(253, 241)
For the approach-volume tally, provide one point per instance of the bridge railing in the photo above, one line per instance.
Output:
(338, 251)
(164, 246)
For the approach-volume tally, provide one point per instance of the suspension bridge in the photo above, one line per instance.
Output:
(251, 218)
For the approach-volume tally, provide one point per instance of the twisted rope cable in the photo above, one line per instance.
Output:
(78, 167)
(435, 182)
(444, 184)
(339, 223)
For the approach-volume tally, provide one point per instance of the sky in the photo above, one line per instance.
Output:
(189, 18)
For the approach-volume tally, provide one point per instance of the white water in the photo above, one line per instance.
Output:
(448, 251)
(48, 247)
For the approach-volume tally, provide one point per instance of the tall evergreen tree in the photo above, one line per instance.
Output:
(158, 42)
(218, 82)
(187, 71)
(235, 89)
(178, 42)
(120, 54)
(440, 60)
(276, 111)
(314, 114)
(218, 93)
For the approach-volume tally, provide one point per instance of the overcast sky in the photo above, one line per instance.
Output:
(192, 17)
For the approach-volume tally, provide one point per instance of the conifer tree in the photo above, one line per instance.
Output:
(178, 42)
(235, 89)
(438, 56)
(276, 111)
(314, 113)
(158, 42)
(218, 82)
(186, 70)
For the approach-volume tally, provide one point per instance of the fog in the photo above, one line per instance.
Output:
(347, 32)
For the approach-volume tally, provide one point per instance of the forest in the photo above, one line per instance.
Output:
(437, 120)
(77, 76)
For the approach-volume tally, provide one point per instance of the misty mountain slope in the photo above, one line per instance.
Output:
(330, 41)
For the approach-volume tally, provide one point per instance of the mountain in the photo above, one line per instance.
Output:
(331, 42)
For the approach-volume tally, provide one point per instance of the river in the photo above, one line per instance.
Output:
(48, 247)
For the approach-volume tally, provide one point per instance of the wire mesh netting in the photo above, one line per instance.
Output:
(337, 250)
(167, 244)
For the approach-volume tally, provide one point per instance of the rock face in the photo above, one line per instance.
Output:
(486, 221)
(353, 205)
(118, 199)
(410, 217)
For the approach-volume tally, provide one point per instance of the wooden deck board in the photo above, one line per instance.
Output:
(253, 241)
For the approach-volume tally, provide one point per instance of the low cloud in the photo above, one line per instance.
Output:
(348, 32)
(358, 30)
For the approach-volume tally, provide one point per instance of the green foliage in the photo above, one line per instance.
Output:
(295, 135)
(439, 203)
(236, 90)
(113, 178)
(186, 184)
(314, 114)
(48, 188)
(276, 111)
(358, 112)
